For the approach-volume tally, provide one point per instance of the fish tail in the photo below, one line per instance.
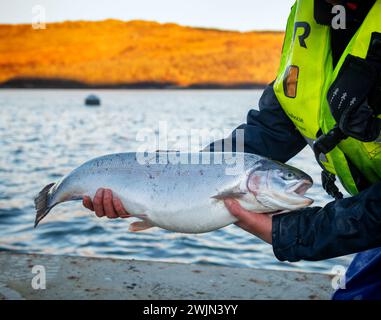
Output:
(41, 203)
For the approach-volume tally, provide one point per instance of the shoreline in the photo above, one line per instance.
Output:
(41, 83)
(78, 278)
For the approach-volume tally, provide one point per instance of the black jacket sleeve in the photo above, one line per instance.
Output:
(268, 132)
(342, 227)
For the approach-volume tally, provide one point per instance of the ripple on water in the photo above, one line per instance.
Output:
(8, 216)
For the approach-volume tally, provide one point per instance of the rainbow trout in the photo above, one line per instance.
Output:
(183, 192)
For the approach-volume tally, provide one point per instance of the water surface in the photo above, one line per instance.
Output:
(44, 134)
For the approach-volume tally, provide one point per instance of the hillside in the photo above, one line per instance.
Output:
(113, 52)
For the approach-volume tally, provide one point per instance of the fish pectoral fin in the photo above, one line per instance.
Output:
(229, 194)
(140, 226)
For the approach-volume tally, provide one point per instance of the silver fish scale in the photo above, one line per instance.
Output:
(175, 196)
(172, 190)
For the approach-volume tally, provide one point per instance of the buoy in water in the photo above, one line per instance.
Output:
(92, 100)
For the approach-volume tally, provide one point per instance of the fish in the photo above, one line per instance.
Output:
(183, 192)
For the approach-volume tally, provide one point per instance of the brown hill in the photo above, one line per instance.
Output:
(113, 52)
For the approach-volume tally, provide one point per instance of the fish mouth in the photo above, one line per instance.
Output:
(300, 188)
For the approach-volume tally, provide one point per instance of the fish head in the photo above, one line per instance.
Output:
(278, 186)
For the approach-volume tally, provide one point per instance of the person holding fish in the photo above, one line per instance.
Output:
(327, 94)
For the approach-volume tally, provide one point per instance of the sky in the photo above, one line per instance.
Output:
(240, 15)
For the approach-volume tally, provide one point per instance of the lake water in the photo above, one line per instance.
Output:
(44, 134)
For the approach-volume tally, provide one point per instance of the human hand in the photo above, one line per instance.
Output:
(104, 204)
(258, 224)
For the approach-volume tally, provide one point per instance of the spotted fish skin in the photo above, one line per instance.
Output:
(181, 192)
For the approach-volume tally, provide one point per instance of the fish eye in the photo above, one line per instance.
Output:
(288, 175)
